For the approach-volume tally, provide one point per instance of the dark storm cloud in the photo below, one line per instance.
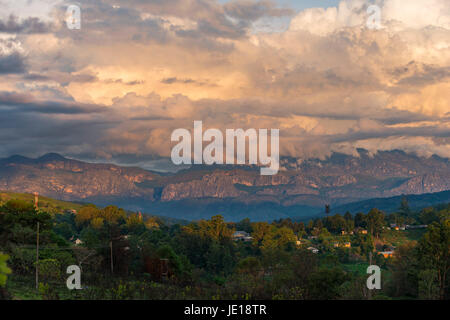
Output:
(320, 90)
(12, 64)
(384, 133)
(27, 26)
(150, 118)
(144, 21)
(36, 77)
(173, 80)
(103, 22)
(26, 104)
(33, 128)
(417, 74)
(390, 116)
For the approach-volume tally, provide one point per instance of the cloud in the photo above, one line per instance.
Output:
(28, 26)
(12, 58)
(253, 10)
(26, 103)
(139, 69)
(12, 63)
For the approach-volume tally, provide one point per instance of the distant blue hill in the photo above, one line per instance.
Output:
(392, 204)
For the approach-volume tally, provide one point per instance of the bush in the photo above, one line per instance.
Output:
(4, 270)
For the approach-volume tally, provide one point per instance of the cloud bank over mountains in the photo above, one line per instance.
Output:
(137, 70)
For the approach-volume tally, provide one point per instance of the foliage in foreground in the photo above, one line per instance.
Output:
(128, 256)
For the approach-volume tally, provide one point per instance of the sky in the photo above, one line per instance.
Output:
(115, 90)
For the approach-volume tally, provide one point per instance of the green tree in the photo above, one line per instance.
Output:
(260, 231)
(86, 214)
(434, 252)
(4, 270)
(250, 266)
(375, 222)
(50, 269)
(244, 225)
(404, 209)
(216, 228)
(279, 238)
(404, 270)
(360, 220)
(428, 285)
(18, 224)
(324, 283)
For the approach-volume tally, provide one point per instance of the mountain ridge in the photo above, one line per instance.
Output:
(303, 184)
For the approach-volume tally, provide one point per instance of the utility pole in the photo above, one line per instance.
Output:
(369, 294)
(36, 200)
(37, 257)
(112, 264)
(36, 206)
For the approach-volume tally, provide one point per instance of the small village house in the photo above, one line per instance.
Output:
(242, 236)
(313, 250)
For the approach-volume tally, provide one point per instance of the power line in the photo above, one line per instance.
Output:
(60, 248)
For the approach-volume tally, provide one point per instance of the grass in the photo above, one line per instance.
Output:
(23, 288)
(398, 238)
(359, 268)
(46, 204)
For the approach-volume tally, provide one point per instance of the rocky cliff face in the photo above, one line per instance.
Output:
(66, 179)
(337, 180)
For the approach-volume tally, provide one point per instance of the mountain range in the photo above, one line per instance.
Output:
(302, 187)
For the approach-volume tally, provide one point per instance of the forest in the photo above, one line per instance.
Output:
(127, 255)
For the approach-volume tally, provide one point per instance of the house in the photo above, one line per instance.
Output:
(241, 236)
(386, 254)
(78, 242)
(343, 232)
(398, 227)
(313, 250)
(347, 245)
(360, 230)
(335, 244)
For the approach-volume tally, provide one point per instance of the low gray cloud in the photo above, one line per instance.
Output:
(12, 64)
(249, 10)
(31, 25)
(26, 104)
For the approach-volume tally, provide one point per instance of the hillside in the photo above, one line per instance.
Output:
(416, 202)
(54, 206)
(301, 188)
(46, 204)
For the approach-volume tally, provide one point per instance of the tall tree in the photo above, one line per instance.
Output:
(375, 222)
(404, 209)
(434, 252)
